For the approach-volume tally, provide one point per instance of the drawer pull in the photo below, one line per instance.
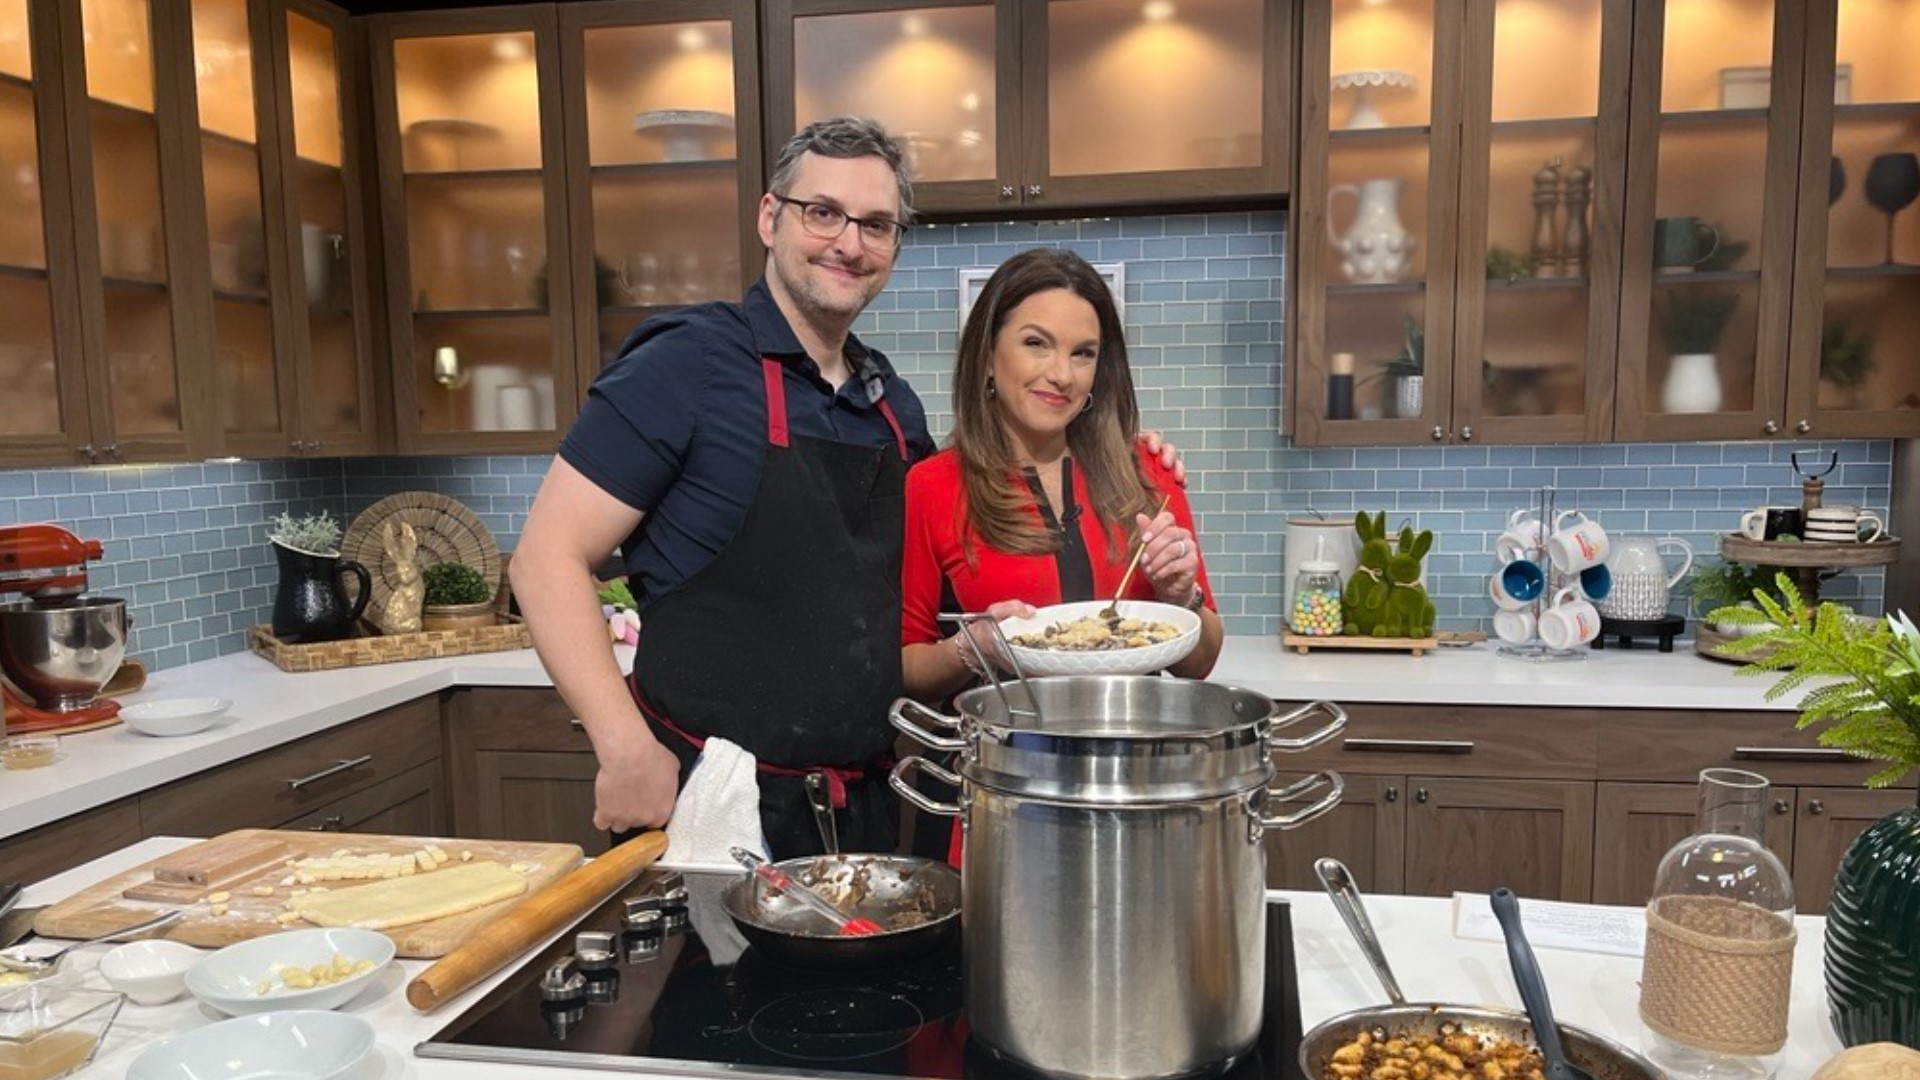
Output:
(1409, 746)
(576, 723)
(1791, 753)
(330, 771)
(333, 823)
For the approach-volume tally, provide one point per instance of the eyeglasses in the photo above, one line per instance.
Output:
(825, 221)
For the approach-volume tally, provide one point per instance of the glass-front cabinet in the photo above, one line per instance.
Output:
(468, 118)
(1713, 161)
(662, 113)
(1855, 368)
(1004, 104)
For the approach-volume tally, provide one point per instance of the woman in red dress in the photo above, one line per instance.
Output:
(1045, 484)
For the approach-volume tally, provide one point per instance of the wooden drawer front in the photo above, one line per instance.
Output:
(276, 786)
(1675, 746)
(411, 804)
(501, 718)
(1636, 824)
(1457, 740)
(65, 844)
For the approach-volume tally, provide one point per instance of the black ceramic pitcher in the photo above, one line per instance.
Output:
(309, 605)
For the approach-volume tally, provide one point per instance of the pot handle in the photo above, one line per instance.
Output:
(1335, 725)
(1326, 803)
(897, 715)
(897, 780)
(1685, 565)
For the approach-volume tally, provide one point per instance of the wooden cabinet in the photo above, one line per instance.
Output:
(1533, 836)
(413, 803)
(1636, 824)
(1058, 105)
(521, 767)
(1367, 832)
(1830, 819)
(52, 849)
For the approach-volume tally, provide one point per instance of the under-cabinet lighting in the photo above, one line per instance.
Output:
(913, 24)
(509, 48)
(1158, 10)
(691, 39)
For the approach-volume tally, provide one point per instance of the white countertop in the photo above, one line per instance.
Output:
(1589, 990)
(271, 707)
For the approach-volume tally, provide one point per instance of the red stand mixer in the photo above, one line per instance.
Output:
(58, 648)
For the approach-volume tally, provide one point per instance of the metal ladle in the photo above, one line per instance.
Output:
(12, 960)
(823, 811)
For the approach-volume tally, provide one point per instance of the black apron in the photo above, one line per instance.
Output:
(788, 642)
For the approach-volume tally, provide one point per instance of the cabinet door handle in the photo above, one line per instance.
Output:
(344, 765)
(88, 450)
(1033, 191)
(332, 823)
(1771, 427)
(1466, 433)
(1393, 794)
(1781, 806)
(576, 723)
(111, 450)
(1791, 753)
(1439, 433)
(1006, 191)
(1408, 746)
(1816, 808)
(1803, 427)
(1420, 795)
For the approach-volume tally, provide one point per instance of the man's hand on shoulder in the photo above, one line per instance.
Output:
(636, 787)
(1168, 454)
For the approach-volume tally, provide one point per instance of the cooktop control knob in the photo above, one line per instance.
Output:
(593, 950)
(562, 982)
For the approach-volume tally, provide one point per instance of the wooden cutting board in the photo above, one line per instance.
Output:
(255, 858)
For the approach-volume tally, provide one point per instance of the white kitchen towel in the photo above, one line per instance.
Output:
(718, 809)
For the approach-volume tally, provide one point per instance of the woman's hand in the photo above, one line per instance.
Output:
(1168, 454)
(1171, 561)
(989, 642)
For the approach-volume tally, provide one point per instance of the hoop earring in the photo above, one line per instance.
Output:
(992, 390)
(1089, 403)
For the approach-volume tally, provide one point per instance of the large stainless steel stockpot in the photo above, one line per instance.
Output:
(1113, 880)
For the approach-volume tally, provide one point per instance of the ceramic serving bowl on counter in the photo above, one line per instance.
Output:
(175, 716)
(249, 977)
(298, 1045)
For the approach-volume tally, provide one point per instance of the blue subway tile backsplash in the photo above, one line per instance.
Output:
(1206, 324)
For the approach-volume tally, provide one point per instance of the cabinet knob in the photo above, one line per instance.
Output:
(1816, 808)
(1466, 433)
(1033, 191)
(1781, 806)
(296, 445)
(87, 450)
(111, 450)
(1420, 795)
(1006, 191)
(1439, 433)
(314, 445)
(1771, 428)
(1803, 427)
(1392, 795)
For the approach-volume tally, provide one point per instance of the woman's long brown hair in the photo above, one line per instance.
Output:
(1100, 440)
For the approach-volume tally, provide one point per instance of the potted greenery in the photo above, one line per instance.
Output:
(1864, 679)
(1846, 361)
(308, 605)
(1691, 327)
(458, 597)
(1405, 373)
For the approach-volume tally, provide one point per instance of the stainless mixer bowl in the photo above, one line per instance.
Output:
(61, 652)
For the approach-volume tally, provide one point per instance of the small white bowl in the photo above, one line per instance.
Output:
(305, 1045)
(230, 979)
(174, 716)
(149, 972)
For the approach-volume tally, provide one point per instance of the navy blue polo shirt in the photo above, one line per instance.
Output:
(677, 426)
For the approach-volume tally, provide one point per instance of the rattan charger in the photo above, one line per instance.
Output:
(447, 531)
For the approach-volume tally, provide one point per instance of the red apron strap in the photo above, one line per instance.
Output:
(777, 402)
(899, 437)
(838, 776)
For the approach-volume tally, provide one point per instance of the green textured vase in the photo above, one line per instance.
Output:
(1873, 935)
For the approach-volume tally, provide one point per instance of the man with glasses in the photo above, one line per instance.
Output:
(748, 460)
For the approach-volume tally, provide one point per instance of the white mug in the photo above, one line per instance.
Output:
(1524, 534)
(1513, 627)
(1575, 547)
(1841, 525)
(1570, 621)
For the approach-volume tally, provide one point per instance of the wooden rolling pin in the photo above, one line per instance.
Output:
(503, 940)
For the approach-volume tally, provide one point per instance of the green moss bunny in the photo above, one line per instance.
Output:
(1364, 600)
(1409, 611)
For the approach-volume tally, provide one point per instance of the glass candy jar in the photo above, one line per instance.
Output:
(1719, 960)
(1316, 608)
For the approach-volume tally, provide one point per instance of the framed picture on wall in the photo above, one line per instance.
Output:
(974, 278)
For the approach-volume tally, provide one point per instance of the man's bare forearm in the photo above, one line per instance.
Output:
(557, 597)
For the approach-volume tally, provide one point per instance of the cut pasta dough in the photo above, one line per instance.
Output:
(417, 898)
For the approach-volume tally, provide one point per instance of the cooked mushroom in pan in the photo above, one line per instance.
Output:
(1095, 634)
(1456, 1056)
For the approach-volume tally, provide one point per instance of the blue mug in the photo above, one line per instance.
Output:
(1517, 584)
(1596, 581)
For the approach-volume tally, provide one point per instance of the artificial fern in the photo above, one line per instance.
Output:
(1873, 707)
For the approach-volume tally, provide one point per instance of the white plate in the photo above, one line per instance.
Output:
(283, 1045)
(1141, 661)
(230, 979)
(174, 716)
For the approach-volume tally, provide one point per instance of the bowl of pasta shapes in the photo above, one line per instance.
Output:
(1144, 636)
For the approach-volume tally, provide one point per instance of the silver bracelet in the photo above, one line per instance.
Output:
(967, 659)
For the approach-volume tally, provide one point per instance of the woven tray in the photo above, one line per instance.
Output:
(447, 531)
(1304, 643)
(508, 633)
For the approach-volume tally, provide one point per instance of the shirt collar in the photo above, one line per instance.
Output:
(773, 336)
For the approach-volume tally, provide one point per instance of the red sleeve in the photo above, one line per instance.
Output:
(931, 496)
(1162, 479)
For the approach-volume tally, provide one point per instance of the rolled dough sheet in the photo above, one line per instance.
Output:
(420, 898)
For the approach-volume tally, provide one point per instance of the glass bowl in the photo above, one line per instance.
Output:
(52, 1030)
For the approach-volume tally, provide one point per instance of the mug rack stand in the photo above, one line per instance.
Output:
(1534, 650)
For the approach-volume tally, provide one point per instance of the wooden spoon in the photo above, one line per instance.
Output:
(1112, 611)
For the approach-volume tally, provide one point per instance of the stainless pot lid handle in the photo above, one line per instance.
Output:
(1336, 723)
(897, 715)
(1346, 900)
(897, 779)
(1336, 784)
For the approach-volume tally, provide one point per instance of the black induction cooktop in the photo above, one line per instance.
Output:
(656, 980)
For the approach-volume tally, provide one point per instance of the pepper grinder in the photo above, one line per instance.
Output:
(1573, 252)
(1340, 386)
(1545, 259)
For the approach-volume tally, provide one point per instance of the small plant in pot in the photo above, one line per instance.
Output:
(1846, 361)
(1405, 374)
(458, 598)
(308, 604)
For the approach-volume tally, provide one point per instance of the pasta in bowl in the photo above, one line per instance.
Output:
(1072, 639)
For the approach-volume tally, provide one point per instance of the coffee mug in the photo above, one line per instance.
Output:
(1575, 547)
(1517, 584)
(1771, 522)
(1524, 534)
(1513, 627)
(1841, 525)
(1682, 243)
(1569, 621)
(1596, 582)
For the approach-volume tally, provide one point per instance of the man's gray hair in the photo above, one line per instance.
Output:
(845, 137)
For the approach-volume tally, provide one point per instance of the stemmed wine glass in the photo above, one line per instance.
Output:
(1893, 182)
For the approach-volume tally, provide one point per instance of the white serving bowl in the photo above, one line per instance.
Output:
(230, 979)
(304, 1045)
(149, 972)
(174, 716)
(1141, 661)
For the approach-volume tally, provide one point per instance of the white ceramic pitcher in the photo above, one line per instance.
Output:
(1376, 248)
(1641, 583)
